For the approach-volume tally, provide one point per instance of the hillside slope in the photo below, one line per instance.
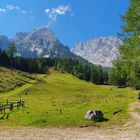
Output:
(11, 79)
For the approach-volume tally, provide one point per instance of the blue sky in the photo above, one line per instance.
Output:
(71, 20)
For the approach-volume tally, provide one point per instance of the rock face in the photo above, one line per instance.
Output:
(94, 115)
(101, 51)
(40, 42)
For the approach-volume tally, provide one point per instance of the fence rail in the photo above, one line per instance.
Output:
(9, 106)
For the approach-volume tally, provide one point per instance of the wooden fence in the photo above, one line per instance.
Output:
(9, 105)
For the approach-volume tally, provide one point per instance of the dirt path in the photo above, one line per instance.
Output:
(135, 115)
(129, 131)
(68, 134)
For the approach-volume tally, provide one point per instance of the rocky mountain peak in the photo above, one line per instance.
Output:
(101, 50)
(40, 42)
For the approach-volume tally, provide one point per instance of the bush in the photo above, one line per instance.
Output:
(135, 84)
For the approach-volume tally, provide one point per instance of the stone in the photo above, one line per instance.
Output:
(94, 115)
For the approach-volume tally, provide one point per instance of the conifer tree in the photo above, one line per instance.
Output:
(127, 69)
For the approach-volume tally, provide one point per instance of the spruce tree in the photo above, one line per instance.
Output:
(10, 52)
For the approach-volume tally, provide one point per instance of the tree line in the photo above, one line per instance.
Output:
(82, 70)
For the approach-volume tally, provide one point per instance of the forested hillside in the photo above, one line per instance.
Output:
(82, 70)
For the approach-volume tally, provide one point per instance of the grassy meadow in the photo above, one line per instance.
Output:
(60, 99)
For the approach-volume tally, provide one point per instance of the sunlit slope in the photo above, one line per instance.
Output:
(61, 99)
(12, 79)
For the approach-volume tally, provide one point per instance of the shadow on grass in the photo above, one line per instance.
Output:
(118, 111)
(95, 125)
(102, 120)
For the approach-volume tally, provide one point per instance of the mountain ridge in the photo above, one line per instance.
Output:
(42, 42)
(101, 50)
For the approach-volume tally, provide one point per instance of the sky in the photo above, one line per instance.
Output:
(71, 20)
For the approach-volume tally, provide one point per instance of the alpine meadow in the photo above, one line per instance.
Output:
(85, 88)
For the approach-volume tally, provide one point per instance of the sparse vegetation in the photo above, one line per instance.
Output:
(137, 110)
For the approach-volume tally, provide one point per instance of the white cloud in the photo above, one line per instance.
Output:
(12, 7)
(2, 10)
(18, 9)
(61, 10)
(53, 13)
(23, 12)
(47, 10)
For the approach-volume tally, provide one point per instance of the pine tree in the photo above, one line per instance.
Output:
(10, 52)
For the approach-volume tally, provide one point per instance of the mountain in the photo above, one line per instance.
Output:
(40, 42)
(101, 51)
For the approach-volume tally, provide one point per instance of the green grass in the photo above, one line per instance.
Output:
(12, 79)
(74, 97)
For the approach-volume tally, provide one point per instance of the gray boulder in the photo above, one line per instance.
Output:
(94, 115)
